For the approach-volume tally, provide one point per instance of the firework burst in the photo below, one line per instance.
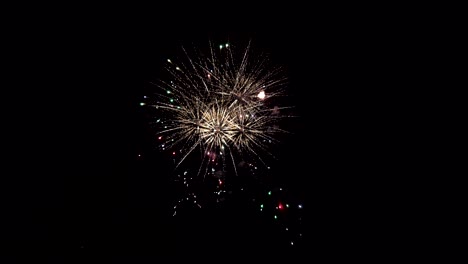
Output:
(221, 104)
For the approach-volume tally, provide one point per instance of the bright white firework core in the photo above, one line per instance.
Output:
(261, 95)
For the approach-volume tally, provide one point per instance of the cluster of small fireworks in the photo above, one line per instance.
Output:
(220, 105)
(226, 108)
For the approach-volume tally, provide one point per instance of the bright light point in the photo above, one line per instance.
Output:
(139, 155)
(287, 205)
(160, 137)
(261, 95)
(177, 68)
(168, 92)
(142, 104)
(227, 45)
(292, 243)
(280, 206)
(286, 229)
(220, 46)
(299, 206)
(276, 217)
(173, 153)
(281, 189)
(261, 206)
(178, 107)
(145, 97)
(168, 60)
(172, 100)
(269, 193)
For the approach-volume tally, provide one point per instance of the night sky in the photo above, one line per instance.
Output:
(92, 182)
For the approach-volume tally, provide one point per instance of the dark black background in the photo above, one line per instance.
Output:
(79, 188)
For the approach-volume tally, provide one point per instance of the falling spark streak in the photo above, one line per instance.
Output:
(218, 104)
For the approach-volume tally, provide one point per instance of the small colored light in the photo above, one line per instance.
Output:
(261, 206)
(276, 217)
(269, 193)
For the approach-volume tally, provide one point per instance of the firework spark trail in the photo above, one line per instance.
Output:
(219, 105)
